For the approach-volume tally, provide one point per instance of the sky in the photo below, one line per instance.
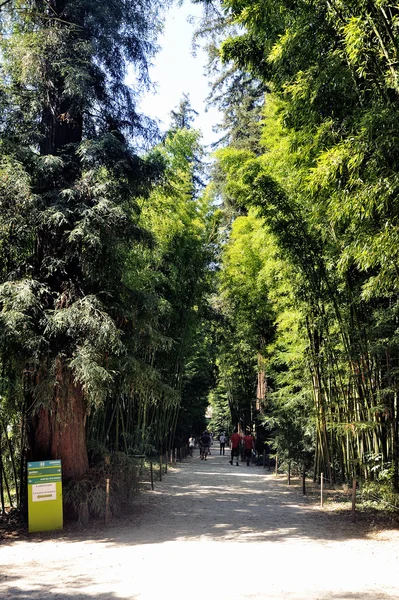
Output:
(176, 71)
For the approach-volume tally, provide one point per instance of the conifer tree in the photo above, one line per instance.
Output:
(69, 178)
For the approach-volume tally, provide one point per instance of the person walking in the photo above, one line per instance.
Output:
(222, 440)
(235, 446)
(249, 446)
(205, 442)
(191, 444)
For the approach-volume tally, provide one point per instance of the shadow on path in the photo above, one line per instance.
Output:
(214, 516)
(42, 592)
(217, 501)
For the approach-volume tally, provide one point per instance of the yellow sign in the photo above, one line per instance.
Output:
(44, 496)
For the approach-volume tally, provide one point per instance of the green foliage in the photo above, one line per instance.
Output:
(244, 323)
(164, 372)
(221, 413)
(104, 251)
(325, 186)
(83, 49)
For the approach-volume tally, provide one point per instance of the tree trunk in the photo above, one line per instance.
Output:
(60, 128)
(62, 121)
(57, 431)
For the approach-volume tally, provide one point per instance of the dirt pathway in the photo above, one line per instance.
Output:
(209, 530)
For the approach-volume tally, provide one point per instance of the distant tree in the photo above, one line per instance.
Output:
(184, 115)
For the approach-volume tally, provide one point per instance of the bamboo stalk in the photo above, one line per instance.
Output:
(124, 432)
(107, 501)
(354, 500)
(22, 466)
(3, 508)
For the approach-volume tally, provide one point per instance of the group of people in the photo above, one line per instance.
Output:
(237, 441)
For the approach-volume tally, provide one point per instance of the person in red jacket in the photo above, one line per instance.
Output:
(235, 446)
(249, 446)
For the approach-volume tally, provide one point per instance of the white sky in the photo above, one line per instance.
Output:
(176, 71)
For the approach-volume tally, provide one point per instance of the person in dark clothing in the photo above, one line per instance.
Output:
(205, 442)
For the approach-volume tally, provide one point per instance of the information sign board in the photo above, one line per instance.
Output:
(45, 495)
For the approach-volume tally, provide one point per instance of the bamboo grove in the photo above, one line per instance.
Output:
(309, 172)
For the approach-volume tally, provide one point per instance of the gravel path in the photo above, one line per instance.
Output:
(209, 530)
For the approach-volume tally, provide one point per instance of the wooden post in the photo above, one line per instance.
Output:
(175, 455)
(276, 465)
(321, 489)
(166, 461)
(107, 501)
(152, 475)
(304, 482)
(160, 467)
(354, 500)
(289, 472)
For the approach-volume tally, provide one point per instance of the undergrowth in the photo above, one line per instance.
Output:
(86, 498)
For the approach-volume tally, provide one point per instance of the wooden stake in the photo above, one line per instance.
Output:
(354, 500)
(176, 456)
(289, 472)
(304, 482)
(166, 462)
(160, 467)
(321, 489)
(107, 501)
(152, 475)
(276, 465)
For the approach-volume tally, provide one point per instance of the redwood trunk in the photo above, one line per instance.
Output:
(58, 431)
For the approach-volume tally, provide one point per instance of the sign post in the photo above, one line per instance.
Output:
(44, 496)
